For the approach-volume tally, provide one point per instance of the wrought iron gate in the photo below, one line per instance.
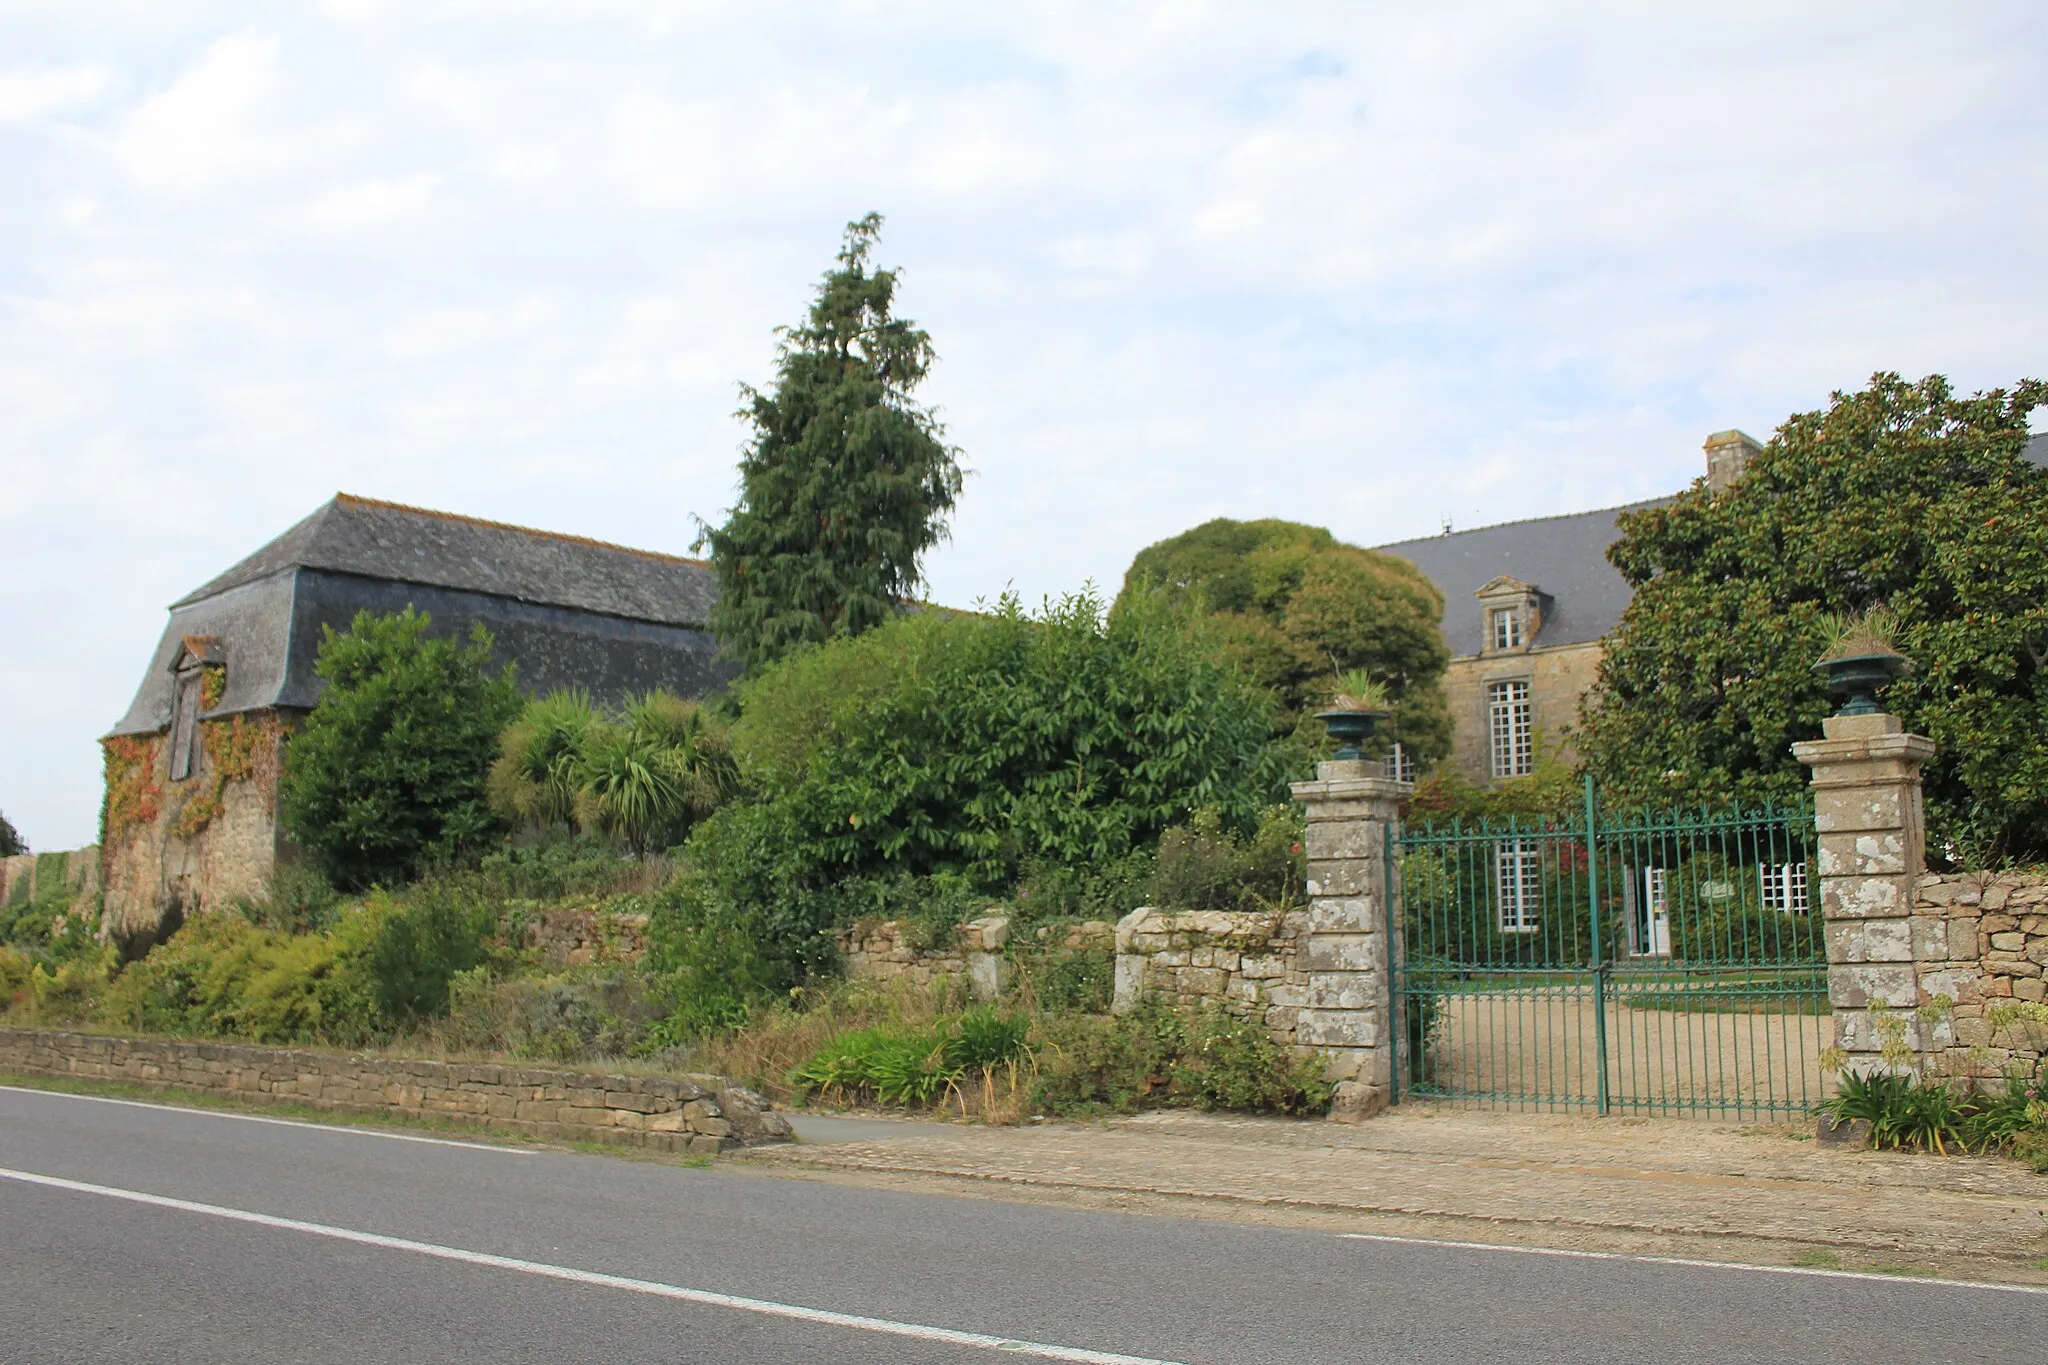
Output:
(1664, 963)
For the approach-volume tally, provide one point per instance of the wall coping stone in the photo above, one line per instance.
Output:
(664, 1113)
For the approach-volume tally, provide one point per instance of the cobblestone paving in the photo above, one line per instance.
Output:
(1687, 1178)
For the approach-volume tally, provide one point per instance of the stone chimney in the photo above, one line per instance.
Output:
(1728, 454)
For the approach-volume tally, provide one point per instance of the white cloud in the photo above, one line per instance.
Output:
(1365, 266)
(38, 92)
(369, 206)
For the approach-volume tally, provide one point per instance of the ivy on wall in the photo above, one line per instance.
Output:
(232, 746)
(133, 796)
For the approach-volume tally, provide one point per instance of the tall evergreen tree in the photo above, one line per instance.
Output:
(846, 482)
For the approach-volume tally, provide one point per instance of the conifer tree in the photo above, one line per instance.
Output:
(846, 482)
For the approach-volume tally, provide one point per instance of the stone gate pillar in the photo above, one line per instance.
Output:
(1867, 812)
(1347, 1012)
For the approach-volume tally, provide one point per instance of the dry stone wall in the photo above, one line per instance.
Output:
(888, 950)
(22, 876)
(699, 1114)
(1979, 940)
(1243, 963)
(576, 937)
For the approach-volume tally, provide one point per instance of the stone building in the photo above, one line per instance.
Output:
(1527, 605)
(192, 769)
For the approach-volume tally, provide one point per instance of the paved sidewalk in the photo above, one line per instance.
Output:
(1660, 1184)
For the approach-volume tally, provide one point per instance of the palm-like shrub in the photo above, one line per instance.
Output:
(535, 779)
(643, 779)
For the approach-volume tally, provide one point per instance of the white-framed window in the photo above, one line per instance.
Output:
(1649, 916)
(1505, 627)
(1518, 885)
(1511, 722)
(1784, 887)
(1400, 763)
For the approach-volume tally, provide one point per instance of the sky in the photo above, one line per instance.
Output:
(1370, 266)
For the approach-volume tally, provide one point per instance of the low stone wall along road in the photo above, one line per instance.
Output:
(134, 1232)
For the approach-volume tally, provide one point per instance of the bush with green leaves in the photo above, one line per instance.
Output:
(973, 746)
(1203, 865)
(296, 899)
(388, 775)
(383, 966)
(574, 1015)
(222, 977)
(641, 779)
(1159, 1056)
(1904, 496)
(1294, 608)
(11, 844)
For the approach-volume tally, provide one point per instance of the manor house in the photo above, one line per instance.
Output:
(1527, 605)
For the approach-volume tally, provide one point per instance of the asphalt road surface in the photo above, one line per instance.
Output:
(132, 1232)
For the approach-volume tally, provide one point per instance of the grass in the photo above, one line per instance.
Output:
(1817, 1259)
(1900, 1268)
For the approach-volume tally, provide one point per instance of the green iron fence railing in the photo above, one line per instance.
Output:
(1656, 963)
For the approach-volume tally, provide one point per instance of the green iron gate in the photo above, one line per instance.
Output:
(1668, 963)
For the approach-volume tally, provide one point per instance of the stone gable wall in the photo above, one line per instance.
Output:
(660, 1113)
(1979, 940)
(176, 849)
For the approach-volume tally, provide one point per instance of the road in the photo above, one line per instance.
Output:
(133, 1232)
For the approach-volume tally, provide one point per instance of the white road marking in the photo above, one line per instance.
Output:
(1879, 1276)
(258, 1118)
(767, 1307)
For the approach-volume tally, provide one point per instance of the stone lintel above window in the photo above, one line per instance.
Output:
(1511, 615)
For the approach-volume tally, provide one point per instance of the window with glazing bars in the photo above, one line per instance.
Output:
(1784, 887)
(1507, 628)
(1514, 748)
(1400, 763)
(1518, 885)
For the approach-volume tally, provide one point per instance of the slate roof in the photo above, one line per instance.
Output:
(402, 544)
(569, 612)
(1565, 557)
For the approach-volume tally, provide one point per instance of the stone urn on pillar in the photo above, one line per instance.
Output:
(1353, 819)
(1355, 713)
(1861, 660)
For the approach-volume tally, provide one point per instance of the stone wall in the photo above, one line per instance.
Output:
(1979, 940)
(176, 849)
(1557, 676)
(1244, 963)
(661, 1113)
(22, 876)
(575, 937)
(887, 950)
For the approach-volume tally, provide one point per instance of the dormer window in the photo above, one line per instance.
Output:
(1512, 613)
(197, 664)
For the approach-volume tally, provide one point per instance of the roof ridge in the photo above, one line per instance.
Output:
(1531, 521)
(357, 500)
